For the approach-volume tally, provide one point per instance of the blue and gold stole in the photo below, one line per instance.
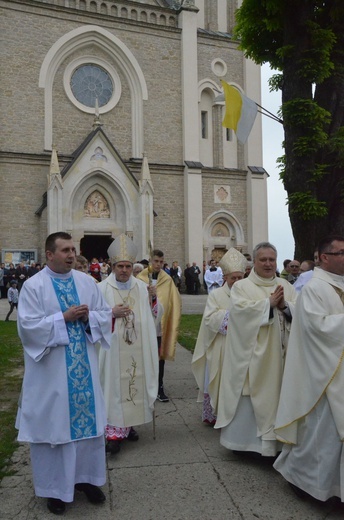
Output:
(82, 410)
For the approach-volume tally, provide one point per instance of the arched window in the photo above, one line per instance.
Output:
(206, 127)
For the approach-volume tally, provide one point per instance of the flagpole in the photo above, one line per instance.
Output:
(271, 115)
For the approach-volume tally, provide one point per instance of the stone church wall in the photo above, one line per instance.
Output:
(23, 102)
(238, 194)
(158, 54)
(30, 29)
(20, 196)
(210, 48)
(169, 222)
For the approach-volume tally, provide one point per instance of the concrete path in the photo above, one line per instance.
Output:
(185, 474)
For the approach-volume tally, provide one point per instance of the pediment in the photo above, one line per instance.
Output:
(97, 153)
(97, 157)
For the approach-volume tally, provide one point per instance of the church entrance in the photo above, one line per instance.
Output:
(95, 246)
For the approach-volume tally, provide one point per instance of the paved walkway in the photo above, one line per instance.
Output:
(185, 474)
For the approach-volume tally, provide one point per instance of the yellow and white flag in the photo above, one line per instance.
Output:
(240, 112)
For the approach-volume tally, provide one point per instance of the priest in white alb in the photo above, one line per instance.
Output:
(213, 277)
(61, 316)
(261, 308)
(310, 418)
(207, 359)
(129, 371)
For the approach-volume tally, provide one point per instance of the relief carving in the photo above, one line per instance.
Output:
(220, 230)
(98, 155)
(222, 194)
(96, 206)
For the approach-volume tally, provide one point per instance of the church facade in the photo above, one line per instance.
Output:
(112, 122)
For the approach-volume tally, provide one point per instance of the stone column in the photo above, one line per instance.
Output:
(191, 129)
(211, 9)
(54, 196)
(217, 135)
(188, 24)
(146, 206)
(257, 206)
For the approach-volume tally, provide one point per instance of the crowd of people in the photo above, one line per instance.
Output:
(187, 281)
(267, 361)
(19, 274)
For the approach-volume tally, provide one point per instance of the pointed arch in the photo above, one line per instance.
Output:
(120, 205)
(119, 52)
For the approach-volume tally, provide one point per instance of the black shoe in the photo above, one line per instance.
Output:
(162, 396)
(113, 447)
(298, 492)
(56, 506)
(133, 435)
(94, 494)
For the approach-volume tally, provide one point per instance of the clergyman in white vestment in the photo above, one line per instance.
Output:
(208, 355)
(310, 417)
(257, 336)
(213, 277)
(129, 370)
(61, 315)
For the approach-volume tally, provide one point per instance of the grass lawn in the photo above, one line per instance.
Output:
(11, 373)
(188, 330)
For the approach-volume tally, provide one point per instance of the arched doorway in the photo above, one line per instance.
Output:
(221, 231)
(95, 246)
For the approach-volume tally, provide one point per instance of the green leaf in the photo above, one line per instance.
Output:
(306, 205)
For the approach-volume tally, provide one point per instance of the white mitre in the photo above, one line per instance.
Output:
(233, 261)
(122, 249)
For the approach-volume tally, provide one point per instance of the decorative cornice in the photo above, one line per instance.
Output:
(31, 158)
(132, 12)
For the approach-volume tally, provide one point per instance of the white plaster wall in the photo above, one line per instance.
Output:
(257, 200)
(188, 24)
(252, 89)
(200, 15)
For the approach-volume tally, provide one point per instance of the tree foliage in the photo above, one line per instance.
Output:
(304, 41)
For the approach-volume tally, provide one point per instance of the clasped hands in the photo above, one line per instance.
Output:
(277, 298)
(76, 312)
(121, 311)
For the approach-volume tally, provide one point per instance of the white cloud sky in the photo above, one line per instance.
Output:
(279, 224)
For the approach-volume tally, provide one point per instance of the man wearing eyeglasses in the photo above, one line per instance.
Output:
(294, 271)
(310, 417)
(306, 273)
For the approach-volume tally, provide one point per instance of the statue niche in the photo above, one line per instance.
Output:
(96, 206)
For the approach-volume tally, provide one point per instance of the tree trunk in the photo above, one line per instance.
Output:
(298, 171)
